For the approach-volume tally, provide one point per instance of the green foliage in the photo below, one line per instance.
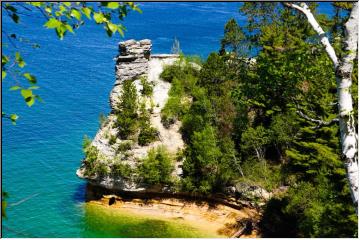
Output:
(62, 17)
(122, 169)
(127, 111)
(12, 117)
(147, 135)
(102, 119)
(292, 74)
(183, 77)
(312, 211)
(264, 175)
(157, 167)
(233, 37)
(92, 160)
(174, 109)
(206, 168)
(112, 139)
(147, 89)
(180, 70)
(255, 138)
(124, 146)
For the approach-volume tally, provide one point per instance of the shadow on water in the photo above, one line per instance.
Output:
(79, 195)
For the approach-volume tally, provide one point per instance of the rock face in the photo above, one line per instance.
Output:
(133, 63)
(248, 191)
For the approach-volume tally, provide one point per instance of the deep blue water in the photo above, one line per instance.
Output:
(42, 152)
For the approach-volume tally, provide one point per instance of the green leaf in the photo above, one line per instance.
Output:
(14, 88)
(48, 9)
(36, 4)
(76, 14)
(4, 59)
(60, 31)
(68, 4)
(61, 9)
(120, 30)
(13, 118)
(113, 27)
(98, 17)
(3, 75)
(52, 23)
(19, 60)
(26, 93)
(112, 5)
(69, 28)
(34, 87)
(30, 78)
(109, 32)
(30, 101)
(87, 12)
(269, 112)
(136, 8)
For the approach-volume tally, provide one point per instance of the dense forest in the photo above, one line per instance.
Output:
(261, 111)
(251, 119)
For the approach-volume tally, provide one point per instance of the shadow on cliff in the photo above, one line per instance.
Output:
(96, 193)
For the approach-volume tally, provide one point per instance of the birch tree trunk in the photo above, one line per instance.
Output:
(343, 70)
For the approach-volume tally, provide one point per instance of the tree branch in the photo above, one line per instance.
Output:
(303, 8)
(319, 122)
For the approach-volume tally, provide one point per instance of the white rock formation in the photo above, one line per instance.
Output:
(134, 62)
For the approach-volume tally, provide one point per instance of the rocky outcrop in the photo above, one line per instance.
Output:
(133, 63)
(250, 192)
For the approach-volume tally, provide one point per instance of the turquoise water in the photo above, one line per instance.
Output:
(42, 152)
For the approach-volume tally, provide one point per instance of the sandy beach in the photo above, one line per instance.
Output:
(216, 220)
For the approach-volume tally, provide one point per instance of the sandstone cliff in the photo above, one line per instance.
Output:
(134, 63)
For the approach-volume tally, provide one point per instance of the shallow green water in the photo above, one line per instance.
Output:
(101, 221)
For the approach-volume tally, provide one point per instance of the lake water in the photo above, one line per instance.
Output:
(42, 152)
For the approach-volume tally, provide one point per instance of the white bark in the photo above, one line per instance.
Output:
(343, 70)
(323, 39)
(346, 111)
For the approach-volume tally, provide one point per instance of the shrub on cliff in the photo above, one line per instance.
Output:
(124, 146)
(127, 113)
(179, 100)
(92, 160)
(157, 167)
(179, 70)
(147, 89)
(122, 169)
(147, 135)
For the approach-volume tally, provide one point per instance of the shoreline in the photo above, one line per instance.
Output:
(217, 220)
